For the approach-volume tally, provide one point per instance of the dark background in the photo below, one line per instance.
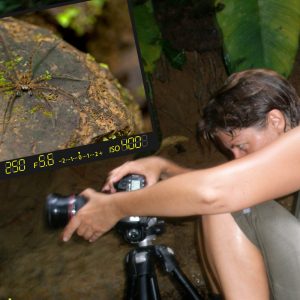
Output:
(34, 264)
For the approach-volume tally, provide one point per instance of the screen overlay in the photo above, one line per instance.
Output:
(72, 89)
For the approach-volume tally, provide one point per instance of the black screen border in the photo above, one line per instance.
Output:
(91, 152)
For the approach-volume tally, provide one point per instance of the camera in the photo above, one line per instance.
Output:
(134, 229)
(60, 209)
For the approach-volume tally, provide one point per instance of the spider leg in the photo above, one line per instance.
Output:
(53, 122)
(6, 52)
(6, 74)
(5, 88)
(7, 114)
(68, 77)
(67, 95)
(30, 61)
(48, 52)
(41, 94)
(58, 90)
(42, 78)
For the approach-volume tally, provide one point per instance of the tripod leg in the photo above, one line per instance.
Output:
(141, 278)
(147, 288)
(131, 277)
(166, 256)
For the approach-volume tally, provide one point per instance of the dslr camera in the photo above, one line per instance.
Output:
(134, 229)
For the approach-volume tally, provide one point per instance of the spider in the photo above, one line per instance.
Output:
(14, 81)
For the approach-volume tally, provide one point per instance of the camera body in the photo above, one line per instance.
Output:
(134, 229)
(130, 182)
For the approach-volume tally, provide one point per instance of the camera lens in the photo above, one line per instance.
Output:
(60, 209)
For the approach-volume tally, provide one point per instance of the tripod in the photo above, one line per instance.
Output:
(141, 278)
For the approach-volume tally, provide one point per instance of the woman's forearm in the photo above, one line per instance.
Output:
(264, 175)
(153, 168)
(170, 169)
(176, 196)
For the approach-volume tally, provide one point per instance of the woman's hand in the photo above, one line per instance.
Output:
(101, 213)
(98, 216)
(150, 167)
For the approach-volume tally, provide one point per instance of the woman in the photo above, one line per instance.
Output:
(250, 119)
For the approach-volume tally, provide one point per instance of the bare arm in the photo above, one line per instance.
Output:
(153, 168)
(269, 173)
(266, 174)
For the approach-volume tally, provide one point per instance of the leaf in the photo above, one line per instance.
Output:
(259, 33)
(177, 58)
(67, 16)
(81, 19)
(148, 34)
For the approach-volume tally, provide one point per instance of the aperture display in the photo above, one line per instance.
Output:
(51, 160)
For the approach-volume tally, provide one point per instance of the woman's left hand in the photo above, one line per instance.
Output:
(98, 216)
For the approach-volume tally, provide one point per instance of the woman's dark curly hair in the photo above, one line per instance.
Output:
(245, 100)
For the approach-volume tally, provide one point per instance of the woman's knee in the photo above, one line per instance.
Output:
(237, 263)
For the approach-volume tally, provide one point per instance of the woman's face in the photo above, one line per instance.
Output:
(247, 140)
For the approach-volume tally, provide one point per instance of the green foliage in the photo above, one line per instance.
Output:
(81, 19)
(150, 39)
(259, 33)
(67, 16)
(8, 7)
(148, 34)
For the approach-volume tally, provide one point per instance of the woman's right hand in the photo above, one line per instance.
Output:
(150, 167)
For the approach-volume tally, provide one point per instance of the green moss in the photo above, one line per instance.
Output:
(114, 135)
(48, 114)
(11, 64)
(46, 76)
(34, 109)
(90, 57)
(41, 108)
(73, 144)
(105, 66)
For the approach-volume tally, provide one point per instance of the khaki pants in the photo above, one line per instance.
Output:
(276, 232)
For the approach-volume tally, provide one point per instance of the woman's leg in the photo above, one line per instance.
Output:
(237, 265)
(209, 277)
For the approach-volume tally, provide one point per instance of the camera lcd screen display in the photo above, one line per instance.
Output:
(72, 89)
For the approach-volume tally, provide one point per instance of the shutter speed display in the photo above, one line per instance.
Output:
(84, 154)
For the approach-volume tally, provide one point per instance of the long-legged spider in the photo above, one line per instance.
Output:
(15, 81)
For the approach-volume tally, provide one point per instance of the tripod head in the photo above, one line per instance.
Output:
(135, 229)
(140, 230)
